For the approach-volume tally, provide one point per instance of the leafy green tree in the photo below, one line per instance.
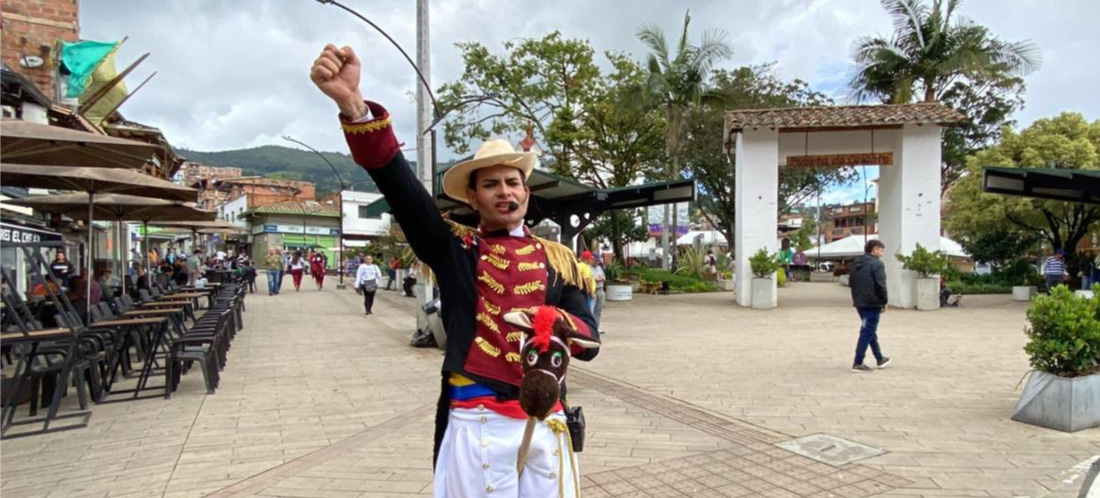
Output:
(806, 236)
(538, 81)
(1066, 141)
(676, 84)
(935, 56)
(712, 167)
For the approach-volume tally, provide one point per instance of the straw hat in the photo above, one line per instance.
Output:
(491, 153)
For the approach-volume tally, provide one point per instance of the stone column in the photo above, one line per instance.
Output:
(756, 199)
(909, 205)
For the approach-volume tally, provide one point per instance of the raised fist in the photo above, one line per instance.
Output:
(336, 73)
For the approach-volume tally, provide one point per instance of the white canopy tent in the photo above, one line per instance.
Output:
(704, 237)
(852, 246)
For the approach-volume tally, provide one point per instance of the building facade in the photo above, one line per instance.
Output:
(858, 218)
(31, 27)
(294, 226)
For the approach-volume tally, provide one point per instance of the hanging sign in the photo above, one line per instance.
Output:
(876, 158)
(14, 234)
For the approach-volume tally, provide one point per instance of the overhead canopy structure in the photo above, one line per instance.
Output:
(852, 247)
(1044, 183)
(33, 143)
(93, 180)
(567, 202)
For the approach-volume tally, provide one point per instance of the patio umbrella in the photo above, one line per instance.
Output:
(24, 142)
(203, 227)
(112, 207)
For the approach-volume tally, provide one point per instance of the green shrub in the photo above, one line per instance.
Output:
(1064, 333)
(680, 283)
(691, 262)
(763, 264)
(926, 263)
(615, 271)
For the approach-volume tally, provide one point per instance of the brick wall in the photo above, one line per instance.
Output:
(30, 27)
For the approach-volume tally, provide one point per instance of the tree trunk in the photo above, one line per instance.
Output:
(616, 236)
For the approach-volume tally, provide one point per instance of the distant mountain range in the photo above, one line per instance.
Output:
(274, 161)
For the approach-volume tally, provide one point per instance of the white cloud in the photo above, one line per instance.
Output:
(233, 73)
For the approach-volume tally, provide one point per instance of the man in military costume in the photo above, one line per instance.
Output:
(482, 274)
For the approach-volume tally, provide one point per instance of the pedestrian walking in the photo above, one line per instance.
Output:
(297, 267)
(868, 283)
(366, 282)
(600, 277)
(1054, 269)
(283, 269)
(317, 269)
(394, 265)
(194, 266)
(1084, 269)
(273, 263)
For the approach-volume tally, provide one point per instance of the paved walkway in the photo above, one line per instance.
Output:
(689, 398)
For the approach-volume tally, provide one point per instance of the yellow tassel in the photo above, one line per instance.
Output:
(489, 349)
(488, 322)
(529, 287)
(563, 261)
(491, 282)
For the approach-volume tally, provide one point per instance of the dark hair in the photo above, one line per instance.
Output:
(471, 183)
(872, 244)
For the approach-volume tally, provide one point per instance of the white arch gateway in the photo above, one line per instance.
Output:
(903, 139)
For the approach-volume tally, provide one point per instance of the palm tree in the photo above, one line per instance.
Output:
(928, 53)
(676, 82)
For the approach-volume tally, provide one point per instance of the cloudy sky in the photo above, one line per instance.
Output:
(234, 73)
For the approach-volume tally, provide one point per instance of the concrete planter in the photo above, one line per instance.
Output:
(1084, 294)
(927, 293)
(764, 295)
(843, 280)
(619, 291)
(726, 285)
(1062, 403)
(1024, 292)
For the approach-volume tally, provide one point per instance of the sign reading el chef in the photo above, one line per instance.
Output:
(877, 158)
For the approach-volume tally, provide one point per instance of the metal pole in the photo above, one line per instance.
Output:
(423, 104)
(145, 255)
(340, 242)
(88, 262)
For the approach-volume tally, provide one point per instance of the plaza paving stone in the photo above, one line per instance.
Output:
(687, 398)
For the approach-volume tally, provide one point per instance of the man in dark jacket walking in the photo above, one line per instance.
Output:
(868, 282)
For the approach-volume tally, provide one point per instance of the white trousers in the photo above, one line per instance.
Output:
(478, 458)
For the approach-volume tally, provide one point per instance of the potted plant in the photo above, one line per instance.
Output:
(1024, 278)
(1063, 391)
(725, 280)
(928, 265)
(763, 267)
(618, 287)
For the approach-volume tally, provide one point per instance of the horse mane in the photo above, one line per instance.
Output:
(543, 325)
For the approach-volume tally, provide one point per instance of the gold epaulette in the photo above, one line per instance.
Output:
(562, 259)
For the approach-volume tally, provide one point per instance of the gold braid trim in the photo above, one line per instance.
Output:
(488, 322)
(490, 307)
(497, 261)
(498, 249)
(368, 127)
(523, 251)
(529, 287)
(529, 266)
(532, 309)
(516, 336)
(458, 229)
(491, 282)
(489, 349)
(512, 357)
(563, 261)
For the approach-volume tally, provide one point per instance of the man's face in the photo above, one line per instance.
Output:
(877, 251)
(496, 188)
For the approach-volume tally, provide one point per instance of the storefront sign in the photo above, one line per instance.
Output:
(877, 158)
(298, 229)
(17, 234)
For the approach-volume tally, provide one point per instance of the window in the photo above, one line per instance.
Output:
(855, 209)
(363, 214)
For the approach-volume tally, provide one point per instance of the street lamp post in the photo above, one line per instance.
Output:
(340, 200)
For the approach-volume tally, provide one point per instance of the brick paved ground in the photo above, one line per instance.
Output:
(687, 399)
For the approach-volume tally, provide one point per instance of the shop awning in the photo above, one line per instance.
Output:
(1072, 185)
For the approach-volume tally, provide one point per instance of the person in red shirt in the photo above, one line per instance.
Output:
(317, 268)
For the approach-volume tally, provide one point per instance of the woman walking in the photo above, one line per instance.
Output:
(317, 268)
(297, 268)
(366, 280)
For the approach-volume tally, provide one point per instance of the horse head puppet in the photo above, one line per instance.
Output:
(545, 354)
